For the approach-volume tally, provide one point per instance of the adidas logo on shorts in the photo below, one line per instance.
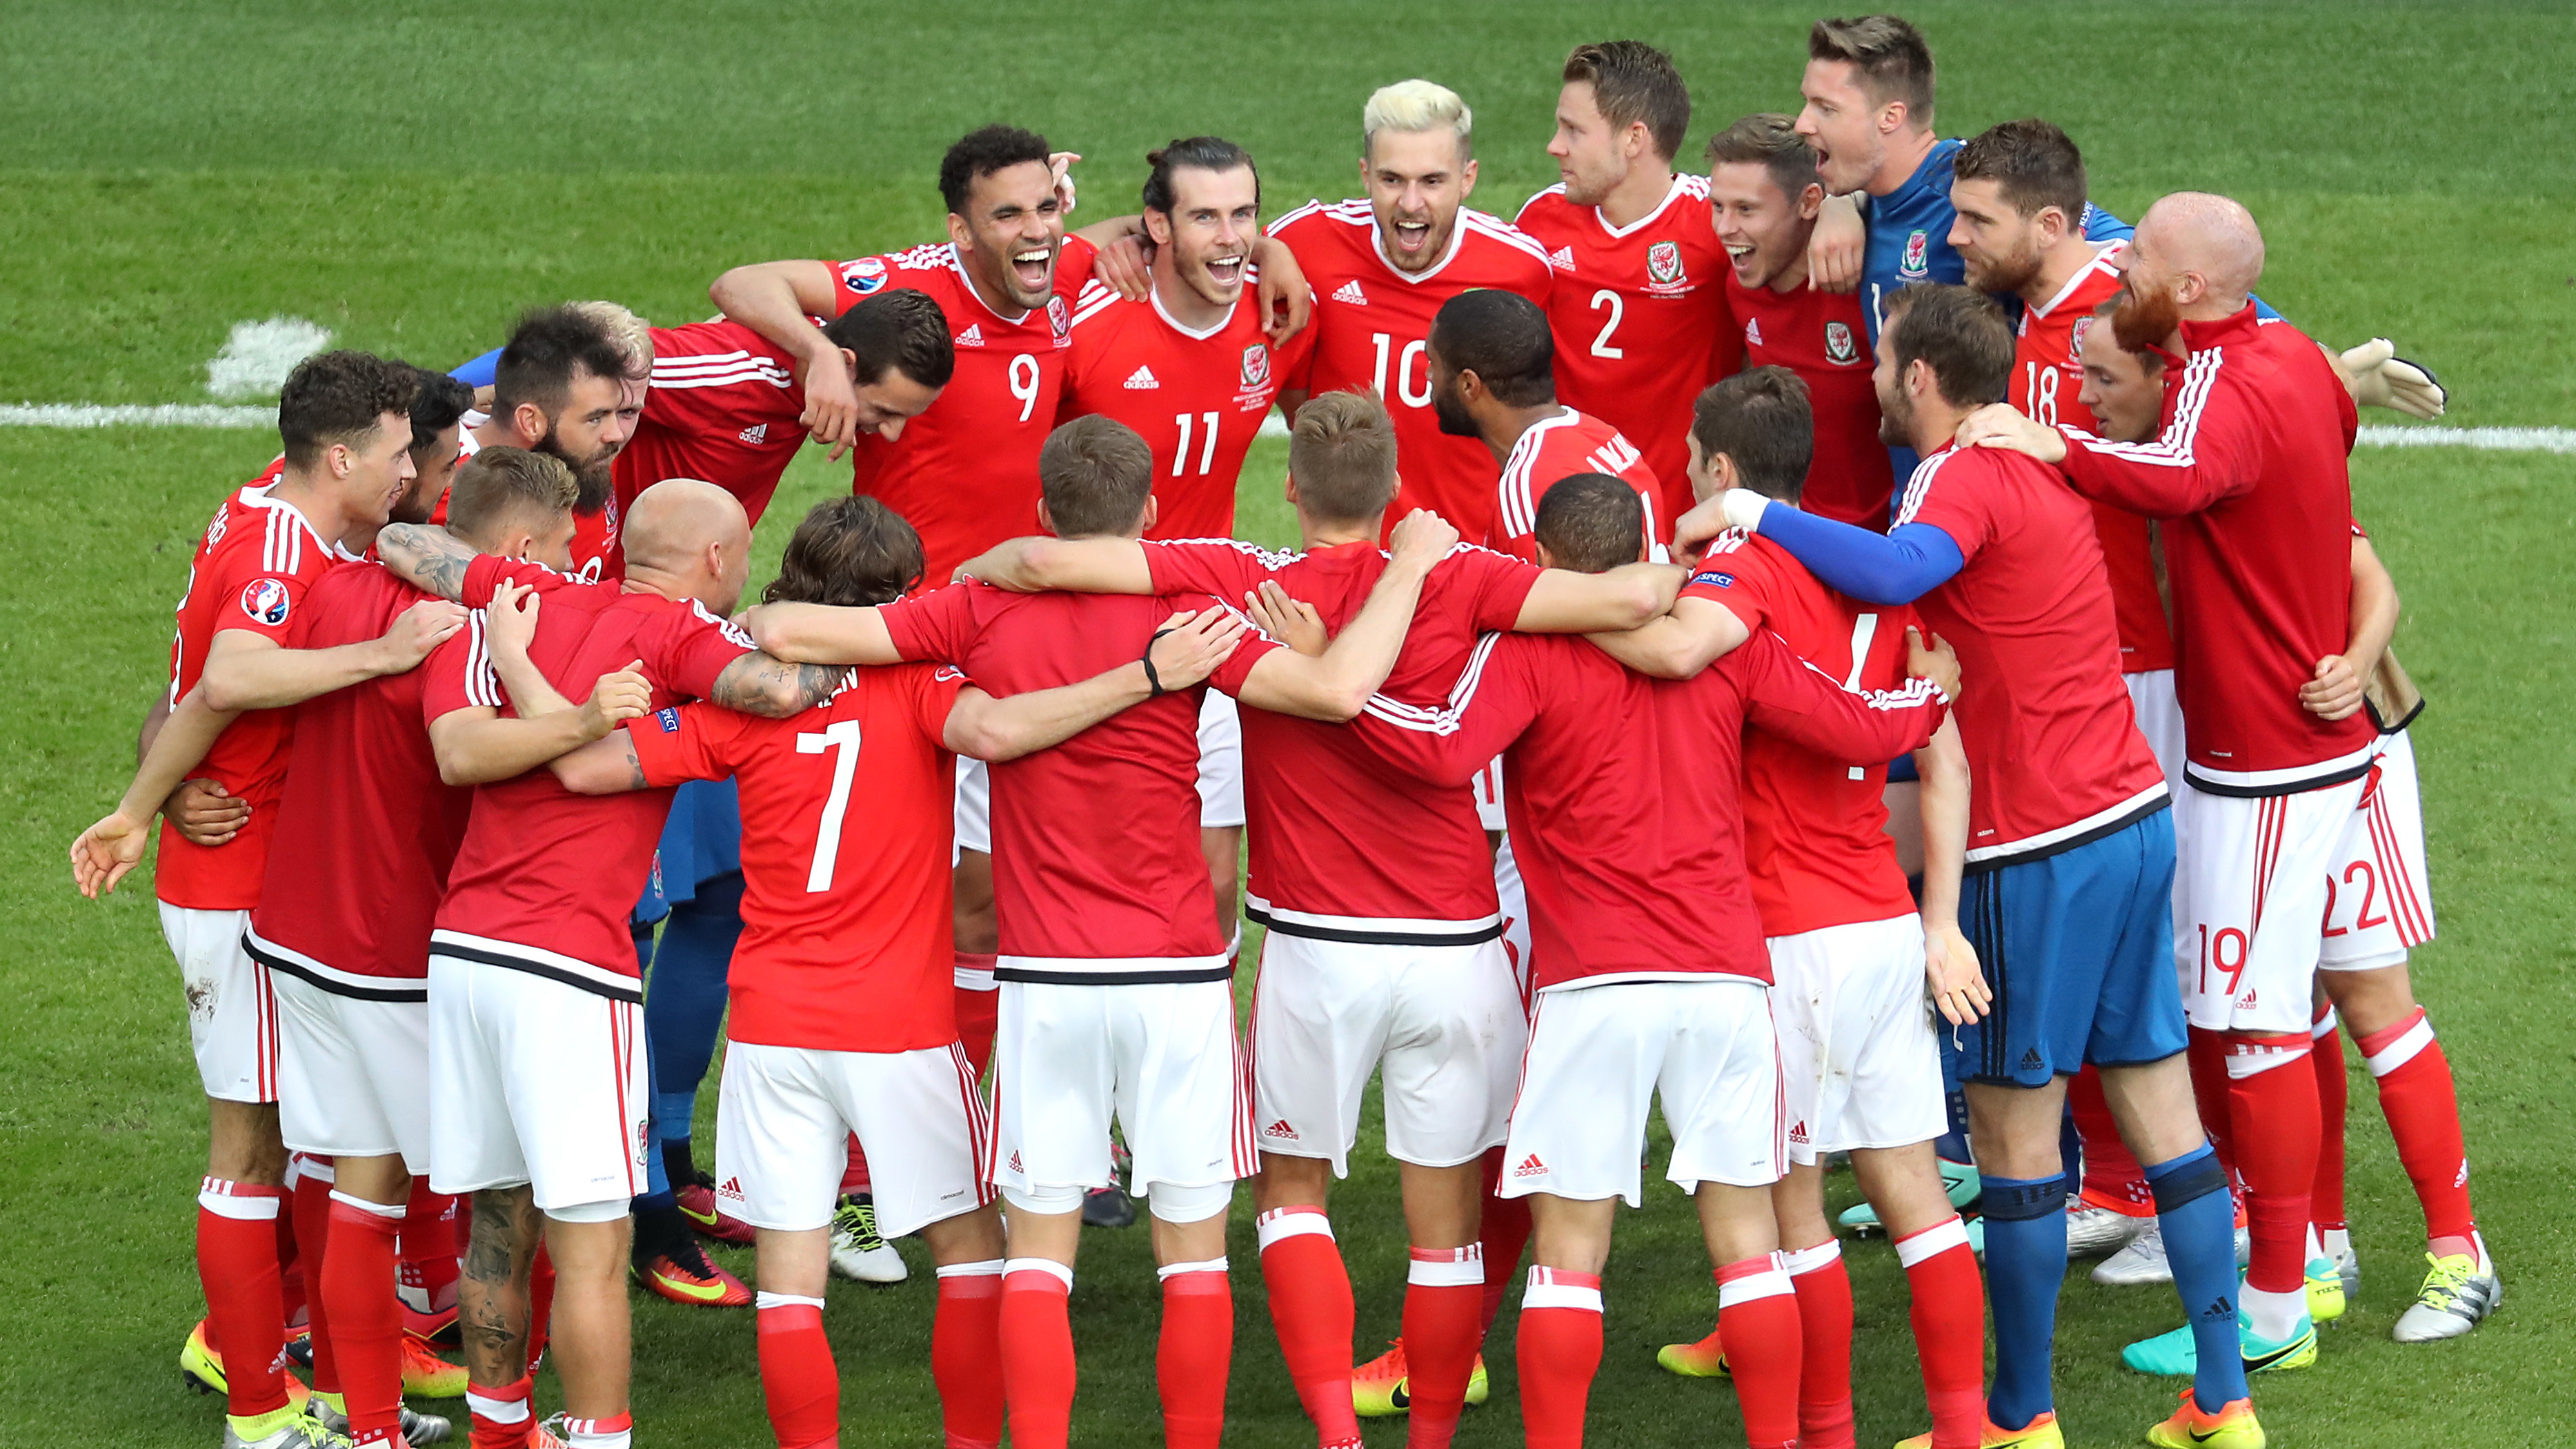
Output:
(732, 1188)
(1798, 1134)
(2030, 1060)
(1281, 1130)
(1530, 1167)
(1350, 292)
(1015, 1161)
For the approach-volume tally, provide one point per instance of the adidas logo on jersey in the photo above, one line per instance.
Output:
(1753, 332)
(1140, 379)
(1281, 1130)
(1530, 1167)
(1350, 292)
(732, 1188)
(973, 336)
(1562, 259)
(756, 433)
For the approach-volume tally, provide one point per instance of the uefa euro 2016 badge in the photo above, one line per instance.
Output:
(1916, 264)
(267, 601)
(865, 275)
(1838, 343)
(1256, 366)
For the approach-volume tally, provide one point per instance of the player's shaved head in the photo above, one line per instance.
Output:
(1341, 455)
(1590, 523)
(2203, 233)
(1095, 476)
(674, 521)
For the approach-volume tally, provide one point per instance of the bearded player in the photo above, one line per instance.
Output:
(564, 386)
(1639, 307)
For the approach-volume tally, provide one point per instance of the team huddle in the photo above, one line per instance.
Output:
(1851, 646)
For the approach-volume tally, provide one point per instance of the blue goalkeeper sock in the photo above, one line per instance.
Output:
(2199, 1225)
(2025, 1267)
(1952, 1146)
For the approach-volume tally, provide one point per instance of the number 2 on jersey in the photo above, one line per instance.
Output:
(1601, 346)
(842, 739)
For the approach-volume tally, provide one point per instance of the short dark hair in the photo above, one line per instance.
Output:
(901, 329)
(1590, 523)
(547, 350)
(1961, 333)
(1894, 61)
(1342, 454)
(1502, 338)
(338, 397)
(1096, 476)
(441, 403)
(850, 552)
(2034, 164)
(1761, 419)
(1632, 81)
(1772, 140)
(980, 153)
(498, 482)
(1204, 153)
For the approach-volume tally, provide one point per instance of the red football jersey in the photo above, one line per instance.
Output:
(2052, 739)
(374, 827)
(1621, 791)
(1560, 447)
(1822, 337)
(1097, 873)
(2048, 372)
(2251, 476)
(1634, 312)
(1198, 399)
(1372, 324)
(847, 938)
(965, 473)
(723, 409)
(258, 558)
(1342, 840)
(545, 875)
(1815, 828)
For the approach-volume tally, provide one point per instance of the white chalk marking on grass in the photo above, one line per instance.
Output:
(258, 356)
(2499, 440)
(166, 415)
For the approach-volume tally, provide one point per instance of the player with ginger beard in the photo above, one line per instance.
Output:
(1394, 968)
(1115, 982)
(1638, 306)
(1648, 961)
(1381, 267)
(847, 906)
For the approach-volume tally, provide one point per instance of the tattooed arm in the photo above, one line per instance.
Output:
(425, 557)
(772, 688)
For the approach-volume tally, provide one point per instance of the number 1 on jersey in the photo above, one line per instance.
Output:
(1864, 630)
(842, 738)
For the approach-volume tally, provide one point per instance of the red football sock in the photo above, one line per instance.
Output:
(1310, 1306)
(1503, 1233)
(500, 1417)
(365, 1320)
(290, 1256)
(2207, 1058)
(541, 1304)
(1824, 1296)
(1949, 1317)
(979, 1013)
(854, 1178)
(2112, 1177)
(237, 1264)
(1444, 1306)
(1036, 1334)
(966, 1353)
(1196, 1350)
(2422, 1105)
(311, 1206)
(1758, 1325)
(1559, 1351)
(798, 1380)
(2334, 1101)
(430, 1244)
(2272, 1100)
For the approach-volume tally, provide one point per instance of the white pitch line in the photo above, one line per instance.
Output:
(2500, 440)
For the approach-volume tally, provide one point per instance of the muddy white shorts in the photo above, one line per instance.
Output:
(232, 1009)
(1859, 1064)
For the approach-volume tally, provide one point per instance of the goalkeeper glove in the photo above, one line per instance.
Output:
(2379, 378)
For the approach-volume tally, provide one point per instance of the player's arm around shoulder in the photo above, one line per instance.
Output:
(1184, 651)
(818, 634)
(762, 684)
(1679, 644)
(1336, 685)
(1038, 563)
(477, 745)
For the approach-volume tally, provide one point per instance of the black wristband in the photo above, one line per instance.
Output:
(1153, 682)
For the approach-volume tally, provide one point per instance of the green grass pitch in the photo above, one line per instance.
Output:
(410, 175)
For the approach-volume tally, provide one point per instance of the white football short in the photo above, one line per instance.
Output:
(353, 1074)
(2379, 901)
(1159, 1056)
(232, 1008)
(1220, 761)
(974, 817)
(534, 1081)
(2253, 894)
(1443, 1024)
(1859, 1064)
(1600, 1056)
(787, 1113)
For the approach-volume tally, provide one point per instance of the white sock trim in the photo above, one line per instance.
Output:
(392, 1212)
(2248, 1060)
(764, 1300)
(1280, 1224)
(1932, 1242)
(1170, 1271)
(2405, 1049)
(499, 1411)
(2324, 1026)
(1769, 1283)
(1801, 1261)
(986, 1268)
(260, 1209)
(1048, 1266)
(1459, 1268)
(1560, 1295)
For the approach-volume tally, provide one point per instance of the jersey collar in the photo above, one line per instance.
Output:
(1154, 294)
(2101, 262)
(1617, 233)
(2220, 331)
(1377, 243)
(957, 264)
(259, 498)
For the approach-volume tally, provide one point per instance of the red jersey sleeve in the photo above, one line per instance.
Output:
(693, 742)
(1248, 651)
(458, 675)
(2210, 450)
(487, 573)
(1496, 586)
(1795, 700)
(1496, 699)
(1960, 499)
(687, 653)
(939, 625)
(1226, 570)
(1734, 575)
(260, 600)
(1073, 268)
(1293, 360)
(934, 696)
